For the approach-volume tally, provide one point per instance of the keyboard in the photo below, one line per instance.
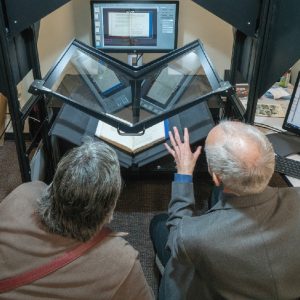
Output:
(287, 166)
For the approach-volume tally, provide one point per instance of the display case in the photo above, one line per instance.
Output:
(94, 86)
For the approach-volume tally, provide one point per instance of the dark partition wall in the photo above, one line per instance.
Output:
(240, 14)
(266, 41)
(282, 41)
(20, 14)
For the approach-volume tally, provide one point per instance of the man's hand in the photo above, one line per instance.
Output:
(181, 151)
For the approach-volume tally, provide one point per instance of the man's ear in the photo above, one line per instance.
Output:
(216, 179)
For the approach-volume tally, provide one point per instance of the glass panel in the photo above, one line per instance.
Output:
(91, 82)
(181, 81)
(111, 88)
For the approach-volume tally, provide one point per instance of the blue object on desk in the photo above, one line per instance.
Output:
(278, 93)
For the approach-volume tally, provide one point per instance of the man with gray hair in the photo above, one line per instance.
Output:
(247, 245)
(42, 225)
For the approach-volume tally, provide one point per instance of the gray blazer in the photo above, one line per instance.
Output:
(243, 248)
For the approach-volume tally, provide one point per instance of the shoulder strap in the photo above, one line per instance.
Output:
(27, 277)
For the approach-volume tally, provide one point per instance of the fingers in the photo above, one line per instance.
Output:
(197, 153)
(170, 150)
(186, 137)
(172, 140)
(177, 146)
(177, 136)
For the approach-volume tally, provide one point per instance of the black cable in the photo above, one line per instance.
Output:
(139, 57)
(274, 129)
(267, 127)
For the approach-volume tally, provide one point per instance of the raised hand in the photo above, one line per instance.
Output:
(181, 151)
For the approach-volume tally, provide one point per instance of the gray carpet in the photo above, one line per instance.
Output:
(10, 175)
(141, 199)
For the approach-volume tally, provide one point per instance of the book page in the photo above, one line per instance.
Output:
(129, 143)
(110, 134)
(128, 24)
(119, 24)
(139, 24)
(151, 136)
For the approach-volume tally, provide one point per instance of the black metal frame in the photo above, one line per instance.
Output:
(13, 103)
(11, 40)
(256, 73)
(134, 75)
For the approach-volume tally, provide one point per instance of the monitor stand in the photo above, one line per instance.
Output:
(285, 144)
(135, 60)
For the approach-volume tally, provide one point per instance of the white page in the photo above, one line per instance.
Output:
(139, 24)
(118, 24)
(110, 133)
(151, 135)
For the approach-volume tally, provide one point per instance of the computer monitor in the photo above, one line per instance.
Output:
(292, 118)
(135, 26)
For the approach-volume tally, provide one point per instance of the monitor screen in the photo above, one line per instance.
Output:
(292, 118)
(135, 26)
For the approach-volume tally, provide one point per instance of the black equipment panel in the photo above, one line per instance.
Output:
(22, 14)
(243, 15)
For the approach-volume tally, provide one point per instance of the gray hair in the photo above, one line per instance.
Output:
(84, 191)
(224, 158)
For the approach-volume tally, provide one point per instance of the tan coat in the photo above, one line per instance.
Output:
(110, 270)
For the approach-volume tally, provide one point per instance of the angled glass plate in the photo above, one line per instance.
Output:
(129, 98)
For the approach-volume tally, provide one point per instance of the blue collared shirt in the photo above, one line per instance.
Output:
(183, 178)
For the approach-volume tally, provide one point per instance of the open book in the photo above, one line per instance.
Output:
(129, 24)
(133, 144)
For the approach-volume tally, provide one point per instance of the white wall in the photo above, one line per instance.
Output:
(56, 32)
(197, 23)
(82, 20)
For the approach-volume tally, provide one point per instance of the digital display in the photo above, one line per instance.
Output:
(292, 118)
(130, 28)
(135, 26)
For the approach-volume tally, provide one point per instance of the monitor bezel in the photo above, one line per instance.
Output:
(126, 49)
(285, 124)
